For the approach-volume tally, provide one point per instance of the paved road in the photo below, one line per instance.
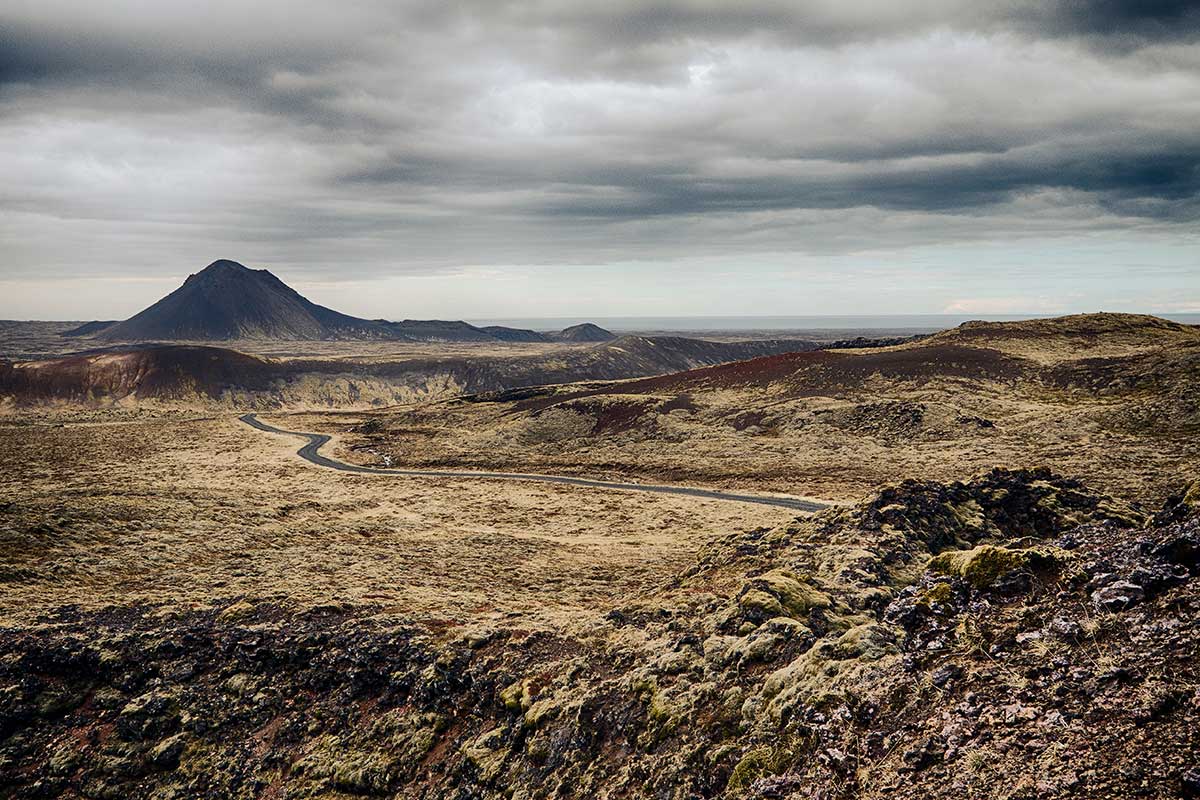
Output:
(316, 440)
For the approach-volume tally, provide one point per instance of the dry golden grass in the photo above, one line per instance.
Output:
(160, 504)
(832, 448)
(1052, 341)
(109, 508)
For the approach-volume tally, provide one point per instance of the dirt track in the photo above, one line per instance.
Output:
(310, 452)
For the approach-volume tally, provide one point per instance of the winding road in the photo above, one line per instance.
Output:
(309, 452)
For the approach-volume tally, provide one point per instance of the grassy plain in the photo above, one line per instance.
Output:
(172, 507)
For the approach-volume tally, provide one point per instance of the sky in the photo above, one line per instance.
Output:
(489, 159)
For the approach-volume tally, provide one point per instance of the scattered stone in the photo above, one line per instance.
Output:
(1190, 783)
(929, 752)
(476, 638)
(1066, 629)
(165, 755)
(236, 611)
(943, 675)
(1183, 551)
(1154, 578)
(1118, 596)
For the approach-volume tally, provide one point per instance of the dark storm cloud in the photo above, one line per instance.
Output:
(433, 133)
(1141, 19)
(1149, 185)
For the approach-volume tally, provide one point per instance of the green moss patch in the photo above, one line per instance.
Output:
(782, 593)
(983, 566)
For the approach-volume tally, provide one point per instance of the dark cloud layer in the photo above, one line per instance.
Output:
(426, 135)
(1142, 19)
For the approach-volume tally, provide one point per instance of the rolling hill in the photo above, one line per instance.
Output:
(208, 374)
(586, 332)
(1112, 398)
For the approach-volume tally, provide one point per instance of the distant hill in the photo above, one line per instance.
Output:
(1049, 341)
(436, 330)
(207, 374)
(90, 328)
(515, 334)
(1097, 353)
(227, 301)
(587, 332)
(176, 372)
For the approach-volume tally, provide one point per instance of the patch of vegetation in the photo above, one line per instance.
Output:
(984, 565)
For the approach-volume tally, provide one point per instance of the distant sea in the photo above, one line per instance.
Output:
(915, 323)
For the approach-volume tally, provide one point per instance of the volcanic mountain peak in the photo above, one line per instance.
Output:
(226, 300)
(228, 267)
(224, 275)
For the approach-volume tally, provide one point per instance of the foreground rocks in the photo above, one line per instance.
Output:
(1016, 636)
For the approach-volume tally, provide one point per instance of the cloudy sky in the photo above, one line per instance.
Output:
(494, 159)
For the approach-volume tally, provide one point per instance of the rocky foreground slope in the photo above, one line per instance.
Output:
(1013, 636)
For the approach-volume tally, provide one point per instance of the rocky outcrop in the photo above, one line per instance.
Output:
(937, 641)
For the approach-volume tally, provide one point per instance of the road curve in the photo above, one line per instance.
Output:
(309, 452)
